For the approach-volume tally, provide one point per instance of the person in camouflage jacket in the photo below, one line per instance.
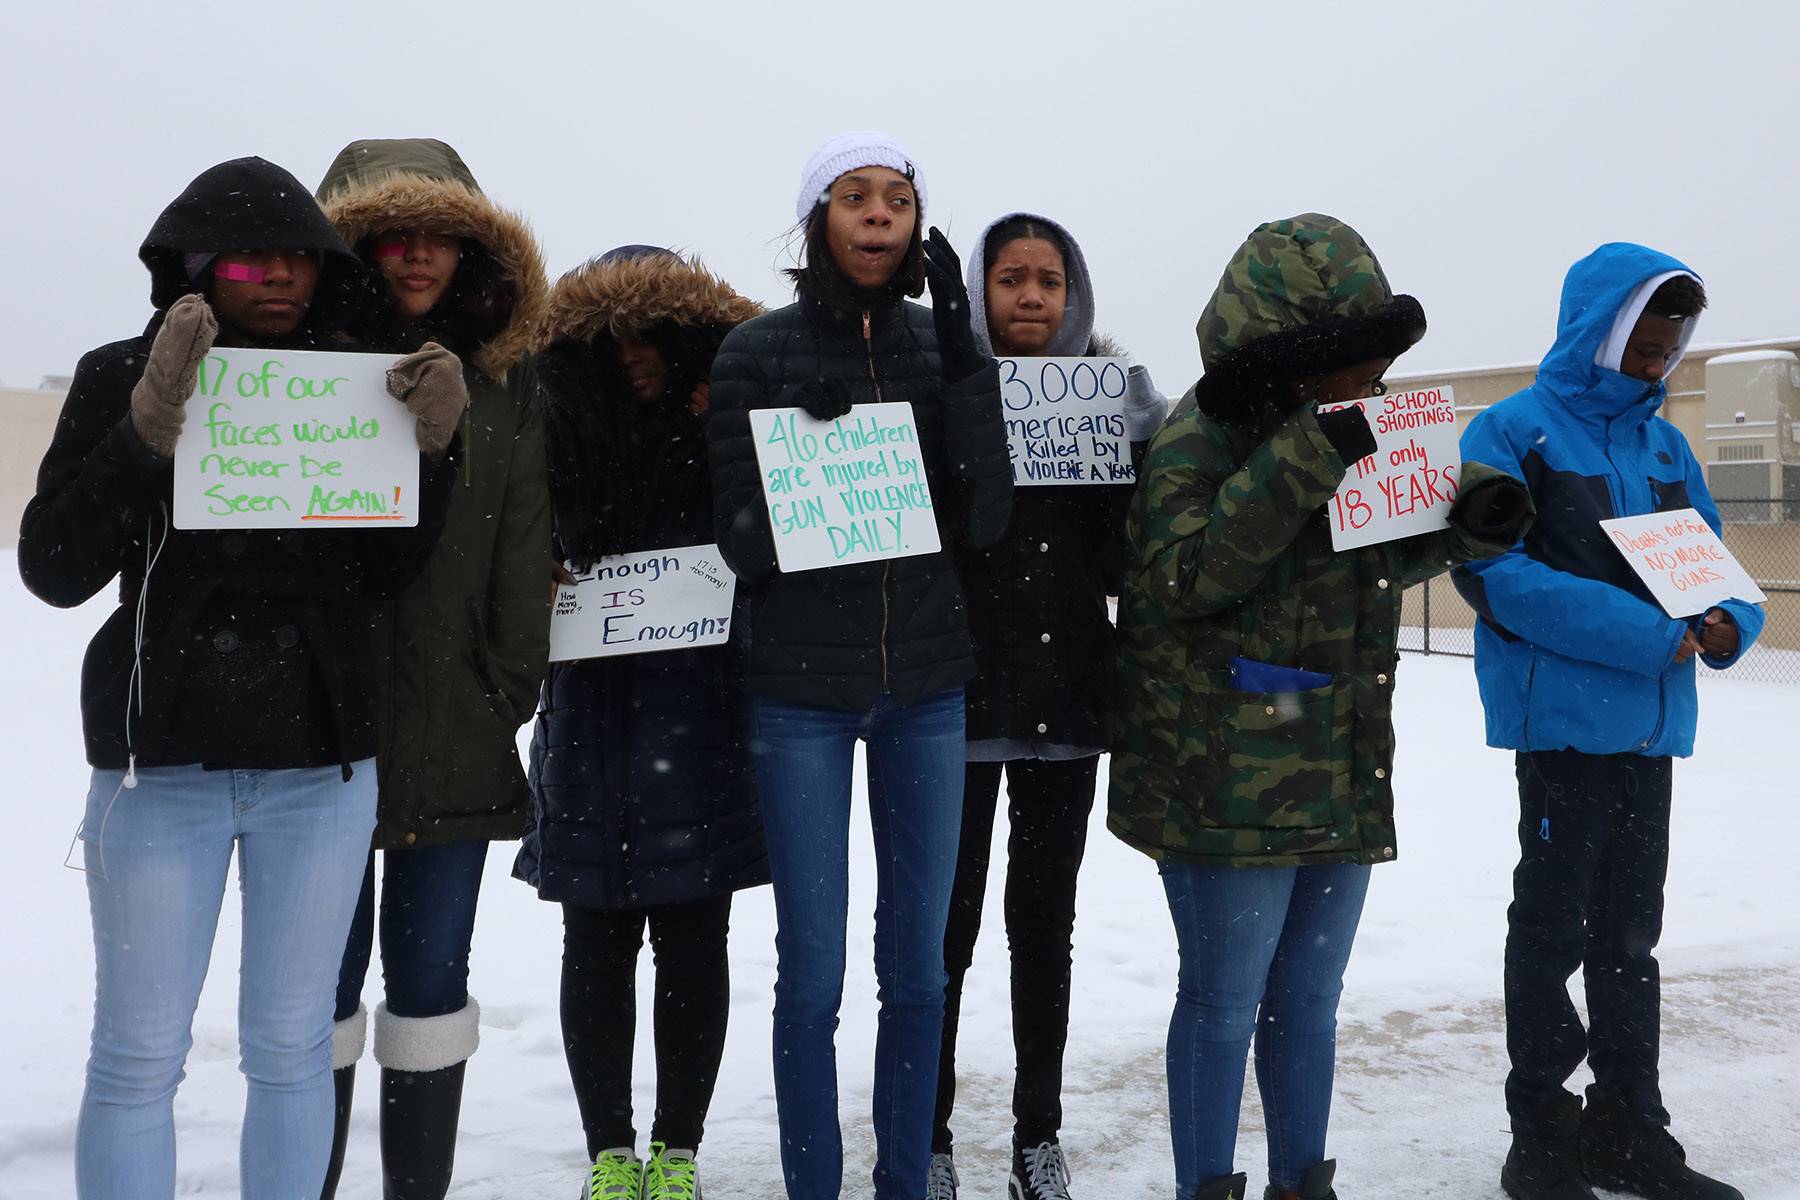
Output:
(1231, 575)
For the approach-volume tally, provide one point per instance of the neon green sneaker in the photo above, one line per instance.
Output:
(671, 1174)
(616, 1175)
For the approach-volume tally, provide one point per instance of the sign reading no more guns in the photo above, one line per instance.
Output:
(295, 439)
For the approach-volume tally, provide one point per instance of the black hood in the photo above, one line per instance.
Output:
(249, 204)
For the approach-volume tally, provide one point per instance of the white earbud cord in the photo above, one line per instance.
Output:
(134, 688)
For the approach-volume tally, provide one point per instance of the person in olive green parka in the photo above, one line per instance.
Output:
(1254, 738)
(462, 650)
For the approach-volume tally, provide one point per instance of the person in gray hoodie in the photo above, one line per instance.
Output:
(1037, 609)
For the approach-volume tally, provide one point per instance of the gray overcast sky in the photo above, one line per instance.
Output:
(1480, 147)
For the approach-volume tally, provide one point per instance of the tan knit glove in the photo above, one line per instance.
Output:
(159, 399)
(429, 381)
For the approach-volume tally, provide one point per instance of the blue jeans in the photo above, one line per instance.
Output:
(157, 859)
(428, 900)
(1263, 951)
(803, 766)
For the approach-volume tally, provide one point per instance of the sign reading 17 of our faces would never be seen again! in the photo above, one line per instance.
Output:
(1409, 484)
(295, 439)
(845, 491)
(1065, 420)
(644, 601)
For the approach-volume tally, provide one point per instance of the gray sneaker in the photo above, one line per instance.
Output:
(941, 1183)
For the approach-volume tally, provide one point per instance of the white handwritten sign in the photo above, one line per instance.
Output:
(1682, 561)
(1407, 486)
(293, 439)
(844, 491)
(644, 601)
(1065, 420)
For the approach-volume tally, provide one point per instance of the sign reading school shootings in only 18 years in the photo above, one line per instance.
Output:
(1065, 420)
(295, 439)
(845, 491)
(647, 600)
(1407, 486)
(1682, 561)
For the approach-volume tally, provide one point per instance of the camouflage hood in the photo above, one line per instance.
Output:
(1300, 298)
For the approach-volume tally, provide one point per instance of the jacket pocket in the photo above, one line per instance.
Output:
(1274, 760)
(484, 670)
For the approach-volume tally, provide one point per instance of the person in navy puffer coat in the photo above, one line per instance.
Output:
(643, 798)
(1592, 684)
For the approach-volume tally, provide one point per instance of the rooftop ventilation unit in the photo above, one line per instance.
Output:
(1753, 435)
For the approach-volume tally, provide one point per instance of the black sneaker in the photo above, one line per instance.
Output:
(1622, 1152)
(1545, 1160)
(1039, 1172)
(1314, 1185)
(1225, 1187)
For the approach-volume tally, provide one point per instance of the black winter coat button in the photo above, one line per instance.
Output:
(287, 637)
(234, 544)
(225, 641)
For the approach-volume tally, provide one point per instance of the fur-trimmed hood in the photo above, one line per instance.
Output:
(376, 185)
(622, 295)
(624, 472)
(1301, 297)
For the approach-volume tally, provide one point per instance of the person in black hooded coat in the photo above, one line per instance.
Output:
(228, 701)
(1044, 640)
(643, 800)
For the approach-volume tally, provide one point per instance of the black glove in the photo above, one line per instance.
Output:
(821, 399)
(950, 309)
(1348, 431)
(1494, 510)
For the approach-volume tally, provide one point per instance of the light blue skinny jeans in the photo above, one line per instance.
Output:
(157, 858)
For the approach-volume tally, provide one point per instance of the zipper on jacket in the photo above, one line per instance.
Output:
(468, 455)
(1662, 712)
(869, 347)
(887, 567)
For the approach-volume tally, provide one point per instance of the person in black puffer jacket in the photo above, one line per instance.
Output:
(1037, 604)
(643, 800)
(876, 651)
(228, 702)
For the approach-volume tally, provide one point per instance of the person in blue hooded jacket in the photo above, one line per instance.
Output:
(1592, 684)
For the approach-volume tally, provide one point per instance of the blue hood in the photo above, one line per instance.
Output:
(1595, 292)
(1572, 652)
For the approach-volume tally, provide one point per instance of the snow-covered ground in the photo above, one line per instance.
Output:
(1418, 1109)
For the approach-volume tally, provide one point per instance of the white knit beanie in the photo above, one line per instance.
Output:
(847, 152)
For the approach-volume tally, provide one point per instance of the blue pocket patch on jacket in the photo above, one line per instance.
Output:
(1248, 675)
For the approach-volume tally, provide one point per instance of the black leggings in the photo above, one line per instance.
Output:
(599, 1015)
(1047, 808)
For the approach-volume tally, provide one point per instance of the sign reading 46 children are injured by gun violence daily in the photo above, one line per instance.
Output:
(845, 491)
(1065, 420)
(295, 439)
(1408, 485)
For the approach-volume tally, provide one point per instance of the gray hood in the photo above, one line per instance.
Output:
(1077, 332)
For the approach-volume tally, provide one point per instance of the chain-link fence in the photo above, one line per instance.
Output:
(1764, 535)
